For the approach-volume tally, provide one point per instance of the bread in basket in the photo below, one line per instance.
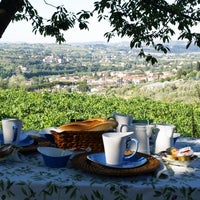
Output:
(83, 134)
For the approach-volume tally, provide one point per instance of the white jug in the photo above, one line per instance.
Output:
(142, 133)
(122, 119)
(163, 137)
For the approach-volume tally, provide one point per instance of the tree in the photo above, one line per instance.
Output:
(16, 81)
(145, 22)
(83, 86)
(198, 66)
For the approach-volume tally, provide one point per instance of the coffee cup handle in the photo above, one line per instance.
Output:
(132, 140)
(15, 128)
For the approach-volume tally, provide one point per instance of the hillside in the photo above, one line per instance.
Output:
(101, 68)
(187, 91)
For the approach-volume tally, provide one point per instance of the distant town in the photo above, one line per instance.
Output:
(96, 66)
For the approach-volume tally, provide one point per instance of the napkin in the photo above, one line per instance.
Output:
(162, 172)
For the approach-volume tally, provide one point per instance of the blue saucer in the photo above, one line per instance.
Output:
(133, 162)
(24, 140)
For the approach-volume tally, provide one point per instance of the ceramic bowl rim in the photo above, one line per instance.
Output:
(40, 150)
(176, 135)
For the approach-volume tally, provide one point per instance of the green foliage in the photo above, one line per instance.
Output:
(83, 86)
(146, 22)
(41, 110)
(61, 20)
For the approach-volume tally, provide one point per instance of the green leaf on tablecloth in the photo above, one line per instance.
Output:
(84, 197)
(32, 192)
(167, 193)
(24, 191)
(96, 181)
(191, 190)
(10, 194)
(97, 194)
(157, 193)
(3, 197)
(183, 191)
(73, 194)
(187, 192)
(77, 177)
(68, 188)
(21, 183)
(139, 197)
(119, 191)
(49, 189)
(9, 184)
(2, 184)
(112, 188)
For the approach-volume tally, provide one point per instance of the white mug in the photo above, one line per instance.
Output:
(163, 137)
(115, 145)
(11, 130)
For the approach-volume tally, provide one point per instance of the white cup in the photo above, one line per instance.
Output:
(115, 145)
(11, 130)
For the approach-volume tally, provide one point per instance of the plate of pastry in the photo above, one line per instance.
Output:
(180, 157)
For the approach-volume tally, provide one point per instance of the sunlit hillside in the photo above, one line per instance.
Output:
(187, 91)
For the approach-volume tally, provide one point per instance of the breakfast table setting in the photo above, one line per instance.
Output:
(100, 158)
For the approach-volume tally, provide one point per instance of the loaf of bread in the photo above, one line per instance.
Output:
(96, 124)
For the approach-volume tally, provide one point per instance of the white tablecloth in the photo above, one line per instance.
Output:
(31, 179)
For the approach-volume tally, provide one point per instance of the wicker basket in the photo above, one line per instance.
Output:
(79, 140)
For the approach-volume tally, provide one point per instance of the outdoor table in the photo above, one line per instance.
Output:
(30, 179)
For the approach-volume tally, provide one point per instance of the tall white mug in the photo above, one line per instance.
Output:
(115, 145)
(11, 130)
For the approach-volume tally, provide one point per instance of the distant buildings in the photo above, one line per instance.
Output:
(113, 79)
(52, 59)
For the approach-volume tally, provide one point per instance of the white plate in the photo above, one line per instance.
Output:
(178, 162)
(135, 161)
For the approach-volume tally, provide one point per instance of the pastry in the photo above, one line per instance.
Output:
(183, 154)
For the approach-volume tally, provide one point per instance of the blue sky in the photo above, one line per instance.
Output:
(22, 31)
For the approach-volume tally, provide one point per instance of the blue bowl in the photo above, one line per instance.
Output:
(176, 136)
(54, 157)
(46, 133)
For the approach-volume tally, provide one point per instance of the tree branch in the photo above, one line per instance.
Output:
(49, 4)
(8, 8)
